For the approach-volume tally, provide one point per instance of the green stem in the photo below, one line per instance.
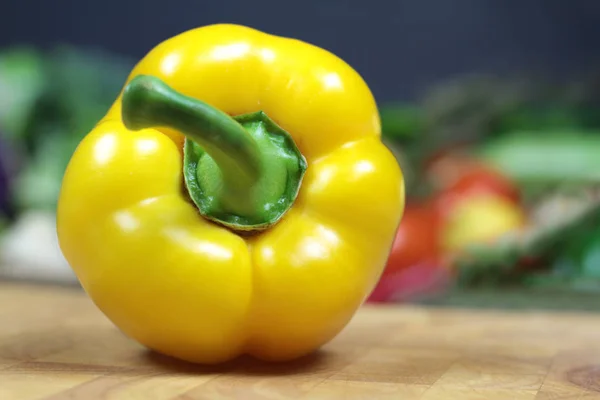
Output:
(244, 172)
(148, 102)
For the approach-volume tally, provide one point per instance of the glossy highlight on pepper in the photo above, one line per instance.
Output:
(192, 288)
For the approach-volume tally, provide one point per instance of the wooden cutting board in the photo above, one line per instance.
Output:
(54, 344)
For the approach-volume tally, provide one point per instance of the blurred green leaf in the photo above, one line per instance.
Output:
(83, 84)
(401, 121)
(548, 157)
(528, 118)
(38, 184)
(22, 80)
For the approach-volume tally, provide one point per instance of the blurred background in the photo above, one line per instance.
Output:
(491, 107)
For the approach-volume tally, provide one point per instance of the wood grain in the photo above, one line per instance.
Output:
(54, 344)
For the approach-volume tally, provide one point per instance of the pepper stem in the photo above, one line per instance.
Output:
(237, 170)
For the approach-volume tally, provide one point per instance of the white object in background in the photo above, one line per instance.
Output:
(29, 250)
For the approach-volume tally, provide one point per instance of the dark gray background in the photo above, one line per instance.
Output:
(398, 46)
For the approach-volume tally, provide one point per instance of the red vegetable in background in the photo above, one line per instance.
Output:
(479, 205)
(478, 180)
(472, 202)
(416, 239)
(414, 266)
(417, 280)
(459, 174)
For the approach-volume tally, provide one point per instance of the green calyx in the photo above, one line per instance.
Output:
(243, 172)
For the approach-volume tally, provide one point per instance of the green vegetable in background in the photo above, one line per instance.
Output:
(544, 136)
(402, 121)
(22, 80)
(581, 255)
(80, 87)
(546, 157)
(541, 119)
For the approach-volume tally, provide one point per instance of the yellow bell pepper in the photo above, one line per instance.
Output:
(235, 199)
